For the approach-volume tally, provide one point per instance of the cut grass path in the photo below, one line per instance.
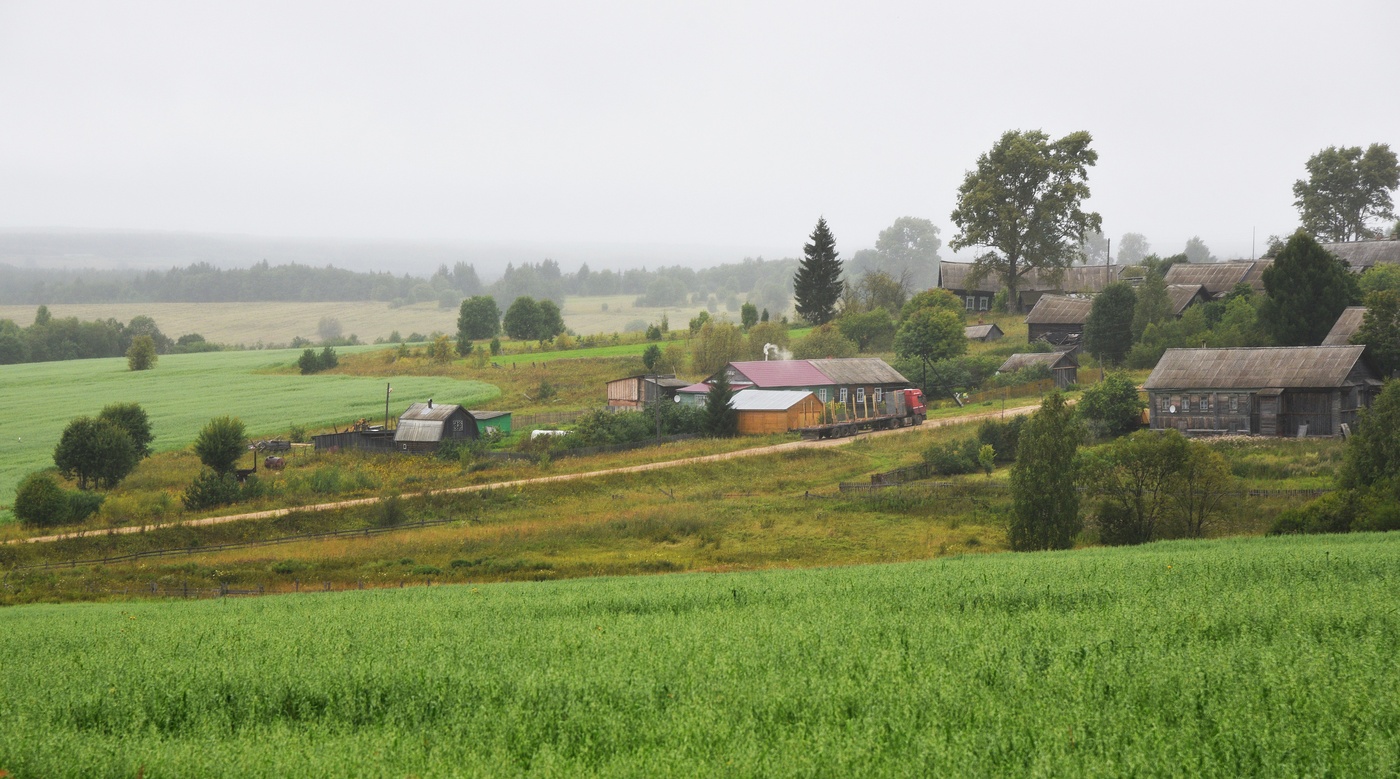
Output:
(756, 451)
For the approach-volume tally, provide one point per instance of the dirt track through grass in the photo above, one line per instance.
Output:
(756, 451)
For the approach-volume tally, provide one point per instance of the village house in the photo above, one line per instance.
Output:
(1058, 320)
(1079, 279)
(1271, 391)
(1062, 366)
(424, 426)
(858, 383)
(640, 391)
(1219, 278)
(1363, 255)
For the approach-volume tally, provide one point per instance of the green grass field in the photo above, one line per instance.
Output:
(1262, 657)
(183, 392)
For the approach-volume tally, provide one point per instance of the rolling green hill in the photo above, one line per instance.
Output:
(1262, 657)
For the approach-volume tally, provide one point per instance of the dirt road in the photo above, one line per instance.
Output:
(535, 480)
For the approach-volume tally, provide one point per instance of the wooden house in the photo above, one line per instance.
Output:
(776, 411)
(983, 333)
(1275, 391)
(1363, 255)
(1062, 365)
(640, 391)
(1219, 278)
(977, 296)
(1058, 319)
(858, 383)
(1183, 296)
(1347, 325)
(424, 426)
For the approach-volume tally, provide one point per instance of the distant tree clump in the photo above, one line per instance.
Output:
(221, 443)
(531, 320)
(1307, 288)
(1132, 248)
(95, 452)
(1347, 189)
(1136, 477)
(871, 331)
(141, 356)
(817, 285)
(748, 315)
(1108, 332)
(718, 344)
(313, 362)
(1045, 501)
(823, 342)
(478, 318)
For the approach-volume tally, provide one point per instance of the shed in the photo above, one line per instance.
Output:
(642, 390)
(776, 411)
(1058, 319)
(1062, 365)
(497, 420)
(1285, 391)
(1347, 325)
(424, 426)
(984, 333)
(1183, 296)
(1361, 255)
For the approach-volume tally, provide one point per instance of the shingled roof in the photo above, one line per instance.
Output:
(1059, 310)
(1360, 255)
(1286, 367)
(859, 370)
(1219, 277)
(1347, 325)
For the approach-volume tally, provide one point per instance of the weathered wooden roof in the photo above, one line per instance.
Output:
(1079, 278)
(974, 332)
(1361, 255)
(1219, 277)
(1181, 296)
(767, 400)
(482, 416)
(1059, 310)
(859, 370)
(1347, 325)
(424, 423)
(1051, 360)
(1286, 367)
(429, 411)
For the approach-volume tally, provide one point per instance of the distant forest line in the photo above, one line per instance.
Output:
(767, 283)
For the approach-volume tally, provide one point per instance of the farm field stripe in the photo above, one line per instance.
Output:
(761, 450)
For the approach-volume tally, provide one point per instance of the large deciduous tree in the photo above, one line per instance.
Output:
(817, 284)
(1307, 287)
(133, 419)
(1132, 247)
(478, 318)
(1023, 204)
(220, 443)
(1044, 499)
(1346, 189)
(909, 249)
(1108, 332)
(95, 452)
(929, 335)
(523, 319)
(1136, 478)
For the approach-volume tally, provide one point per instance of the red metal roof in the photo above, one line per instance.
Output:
(780, 373)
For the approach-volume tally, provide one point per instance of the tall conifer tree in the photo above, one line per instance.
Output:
(817, 285)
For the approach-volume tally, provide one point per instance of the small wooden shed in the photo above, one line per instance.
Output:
(1273, 391)
(642, 390)
(424, 426)
(1058, 319)
(775, 411)
(1062, 365)
(983, 333)
(498, 420)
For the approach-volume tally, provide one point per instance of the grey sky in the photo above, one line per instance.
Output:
(725, 124)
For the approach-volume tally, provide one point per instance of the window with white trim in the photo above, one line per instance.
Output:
(984, 303)
(821, 393)
(971, 302)
(844, 396)
(860, 395)
(879, 395)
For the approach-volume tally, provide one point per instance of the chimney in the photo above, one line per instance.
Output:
(430, 402)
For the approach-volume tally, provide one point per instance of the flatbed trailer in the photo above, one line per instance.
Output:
(904, 408)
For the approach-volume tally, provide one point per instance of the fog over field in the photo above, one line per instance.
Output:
(402, 137)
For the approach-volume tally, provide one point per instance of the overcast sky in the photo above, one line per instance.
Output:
(717, 124)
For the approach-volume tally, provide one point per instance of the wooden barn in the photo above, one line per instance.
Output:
(1347, 325)
(1362, 255)
(1079, 279)
(1219, 278)
(1062, 365)
(642, 390)
(424, 426)
(1183, 296)
(983, 333)
(1058, 319)
(776, 411)
(1274, 391)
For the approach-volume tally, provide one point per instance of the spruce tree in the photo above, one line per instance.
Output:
(817, 285)
(1108, 333)
(1308, 287)
(721, 420)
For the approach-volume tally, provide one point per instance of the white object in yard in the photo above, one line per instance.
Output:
(542, 433)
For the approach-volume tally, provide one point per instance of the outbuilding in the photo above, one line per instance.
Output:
(1062, 365)
(424, 426)
(1272, 391)
(775, 411)
(983, 333)
(496, 420)
(1058, 319)
(640, 391)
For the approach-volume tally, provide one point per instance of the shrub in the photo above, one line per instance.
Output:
(1002, 436)
(82, 505)
(1331, 513)
(954, 457)
(210, 489)
(220, 443)
(40, 502)
(1112, 407)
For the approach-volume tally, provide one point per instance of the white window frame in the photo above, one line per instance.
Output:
(879, 394)
(984, 303)
(845, 393)
(971, 303)
(860, 395)
(821, 394)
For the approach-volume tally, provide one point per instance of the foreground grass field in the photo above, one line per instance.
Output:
(1263, 657)
(184, 391)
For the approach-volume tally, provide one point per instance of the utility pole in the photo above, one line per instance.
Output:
(388, 388)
